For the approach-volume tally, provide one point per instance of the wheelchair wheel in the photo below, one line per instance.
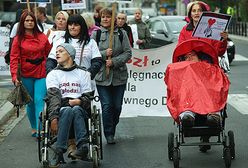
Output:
(98, 132)
(176, 158)
(227, 157)
(170, 145)
(39, 138)
(232, 143)
(96, 159)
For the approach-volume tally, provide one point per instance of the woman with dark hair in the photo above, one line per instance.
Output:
(87, 52)
(194, 11)
(30, 48)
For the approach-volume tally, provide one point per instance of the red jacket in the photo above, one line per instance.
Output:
(31, 48)
(220, 46)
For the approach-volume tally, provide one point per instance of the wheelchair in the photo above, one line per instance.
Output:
(199, 130)
(46, 140)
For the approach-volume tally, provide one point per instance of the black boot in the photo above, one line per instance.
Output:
(57, 159)
(81, 152)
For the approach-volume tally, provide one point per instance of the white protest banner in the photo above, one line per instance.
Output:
(4, 46)
(73, 4)
(146, 91)
(211, 25)
(118, 1)
(135, 35)
(36, 1)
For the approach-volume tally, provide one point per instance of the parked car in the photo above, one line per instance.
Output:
(7, 18)
(165, 29)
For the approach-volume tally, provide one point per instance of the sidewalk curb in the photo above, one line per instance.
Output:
(6, 110)
(238, 37)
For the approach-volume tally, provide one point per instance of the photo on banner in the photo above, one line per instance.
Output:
(211, 25)
(36, 1)
(73, 4)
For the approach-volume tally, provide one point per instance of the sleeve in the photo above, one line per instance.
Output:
(181, 37)
(51, 80)
(85, 82)
(126, 55)
(147, 35)
(53, 102)
(102, 52)
(220, 46)
(48, 46)
(14, 58)
(96, 61)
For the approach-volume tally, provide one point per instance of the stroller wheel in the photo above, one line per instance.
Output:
(232, 143)
(170, 145)
(227, 157)
(176, 158)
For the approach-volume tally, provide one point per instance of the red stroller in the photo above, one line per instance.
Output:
(200, 87)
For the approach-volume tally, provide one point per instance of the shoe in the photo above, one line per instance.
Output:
(213, 120)
(34, 134)
(110, 139)
(204, 148)
(71, 148)
(57, 159)
(188, 121)
(81, 152)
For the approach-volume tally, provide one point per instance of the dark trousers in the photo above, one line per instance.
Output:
(111, 98)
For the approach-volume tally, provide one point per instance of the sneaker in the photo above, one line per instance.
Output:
(204, 148)
(213, 120)
(110, 139)
(188, 121)
(81, 152)
(57, 159)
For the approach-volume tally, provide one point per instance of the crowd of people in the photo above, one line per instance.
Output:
(73, 58)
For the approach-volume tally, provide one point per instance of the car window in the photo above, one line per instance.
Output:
(158, 25)
(176, 25)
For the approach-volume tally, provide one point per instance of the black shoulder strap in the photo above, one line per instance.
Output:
(98, 36)
(120, 34)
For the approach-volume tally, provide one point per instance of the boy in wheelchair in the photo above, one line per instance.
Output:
(196, 87)
(67, 88)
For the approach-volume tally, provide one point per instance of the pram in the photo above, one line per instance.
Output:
(46, 140)
(175, 105)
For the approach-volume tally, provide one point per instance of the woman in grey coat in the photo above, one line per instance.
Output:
(112, 78)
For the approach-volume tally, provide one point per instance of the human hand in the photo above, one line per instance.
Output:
(17, 82)
(109, 62)
(109, 52)
(224, 35)
(139, 41)
(54, 126)
(74, 102)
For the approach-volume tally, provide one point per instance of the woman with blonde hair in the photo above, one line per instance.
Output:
(56, 36)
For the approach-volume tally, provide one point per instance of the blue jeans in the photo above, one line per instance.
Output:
(111, 98)
(69, 116)
(37, 90)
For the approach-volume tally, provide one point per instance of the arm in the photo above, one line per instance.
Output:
(124, 56)
(54, 102)
(14, 58)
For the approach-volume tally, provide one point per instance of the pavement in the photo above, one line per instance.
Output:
(7, 110)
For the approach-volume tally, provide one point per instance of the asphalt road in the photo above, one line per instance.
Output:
(142, 141)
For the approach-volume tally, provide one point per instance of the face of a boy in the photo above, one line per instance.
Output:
(62, 55)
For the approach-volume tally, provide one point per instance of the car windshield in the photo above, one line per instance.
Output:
(176, 25)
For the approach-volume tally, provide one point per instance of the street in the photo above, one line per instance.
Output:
(142, 141)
